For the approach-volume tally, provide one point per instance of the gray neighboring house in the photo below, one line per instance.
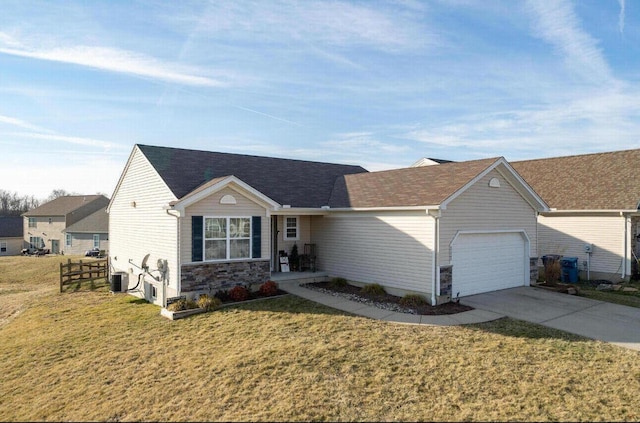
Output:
(10, 235)
(44, 225)
(92, 232)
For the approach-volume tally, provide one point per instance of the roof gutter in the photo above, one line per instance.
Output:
(398, 208)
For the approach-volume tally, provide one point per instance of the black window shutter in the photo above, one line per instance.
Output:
(256, 236)
(196, 238)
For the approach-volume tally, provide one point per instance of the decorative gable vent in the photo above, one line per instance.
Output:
(228, 199)
(494, 183)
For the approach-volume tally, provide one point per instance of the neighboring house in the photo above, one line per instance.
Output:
(594, 201)
(92, 232)
(44, 225)
(11, 241)
(425, 161)
(201, 221)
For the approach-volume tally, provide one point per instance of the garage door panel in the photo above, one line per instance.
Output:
(487, 262)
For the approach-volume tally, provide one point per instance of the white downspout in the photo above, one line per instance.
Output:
(178, 217)
(626, 245)
(435, 279)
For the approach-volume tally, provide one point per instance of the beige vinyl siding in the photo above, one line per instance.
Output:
(211, 206)
(483, 208)
(145, 228)
(81, 242)
(304, 235)
(567, 234)
(394, 249)
(14, 246)
(45, 230)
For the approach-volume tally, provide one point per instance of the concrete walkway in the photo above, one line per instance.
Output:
(360, 309)
(617, 324)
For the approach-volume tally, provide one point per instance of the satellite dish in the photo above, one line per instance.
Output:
(161, 265)
(144, 261)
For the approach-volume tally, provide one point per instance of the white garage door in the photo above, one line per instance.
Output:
(488, 262)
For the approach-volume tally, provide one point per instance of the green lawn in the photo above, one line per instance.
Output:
(96, 356)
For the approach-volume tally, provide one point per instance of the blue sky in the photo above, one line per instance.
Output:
(375, 83)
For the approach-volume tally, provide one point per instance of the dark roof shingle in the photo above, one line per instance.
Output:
(97, 222)
(11, 226)
(62, 206)
(297, 183)
(599, 181)
(413, 186)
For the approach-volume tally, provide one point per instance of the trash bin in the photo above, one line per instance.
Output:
(569, 266)
(550, 259)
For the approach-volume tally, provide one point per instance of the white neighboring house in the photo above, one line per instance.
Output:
(594, 216)
(185, 222)
(90, 233)
(11, 240)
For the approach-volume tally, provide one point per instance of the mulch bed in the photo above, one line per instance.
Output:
(226, 299)
(392, 300)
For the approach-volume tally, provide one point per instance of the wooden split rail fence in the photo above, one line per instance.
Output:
(75, 273)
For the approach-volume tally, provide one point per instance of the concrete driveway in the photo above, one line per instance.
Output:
(607, 322)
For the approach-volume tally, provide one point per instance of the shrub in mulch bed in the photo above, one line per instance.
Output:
(238, 295)
(423, 308)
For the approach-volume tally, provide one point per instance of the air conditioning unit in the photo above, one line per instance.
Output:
(119, 282)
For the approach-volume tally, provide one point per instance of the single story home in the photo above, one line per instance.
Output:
(90, 233)
(185, 222)
(594, 215)
(44, 225)
(11, 242)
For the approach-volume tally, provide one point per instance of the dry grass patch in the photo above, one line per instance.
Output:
(96, 356)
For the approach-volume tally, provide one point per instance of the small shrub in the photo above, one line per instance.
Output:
(239, 293)
(269, 288)
(223, 296)
(373, 289)
(182, 305)
(208, 303)
(338, 282)
(552, 272)
(413, 300)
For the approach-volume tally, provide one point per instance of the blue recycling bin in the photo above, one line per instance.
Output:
(569, 267)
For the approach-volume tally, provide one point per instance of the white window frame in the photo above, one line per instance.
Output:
(96, 241)
(68, 240)
(285, 235)
(33, 242)
(228, 238)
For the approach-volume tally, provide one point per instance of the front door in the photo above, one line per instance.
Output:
(55, 246)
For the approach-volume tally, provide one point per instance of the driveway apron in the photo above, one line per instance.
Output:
(593, 319)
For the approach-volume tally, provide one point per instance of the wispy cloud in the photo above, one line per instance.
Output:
(112, 60)
(7, 120)
(556, 23)
(621, 16)
(45, 134)
(335, 23)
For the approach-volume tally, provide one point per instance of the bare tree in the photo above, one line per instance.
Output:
(59, 193)
(13, 205)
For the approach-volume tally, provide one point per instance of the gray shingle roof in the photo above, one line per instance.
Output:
(97, 222)
(298, 183)
(11, 226)
(600, 181)
(413, 186)
(62, 206)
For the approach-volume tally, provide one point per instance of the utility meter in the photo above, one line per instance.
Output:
(588, 248)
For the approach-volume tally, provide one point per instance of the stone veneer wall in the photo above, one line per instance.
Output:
(212, 277)
(533, 270)
(446, 279)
